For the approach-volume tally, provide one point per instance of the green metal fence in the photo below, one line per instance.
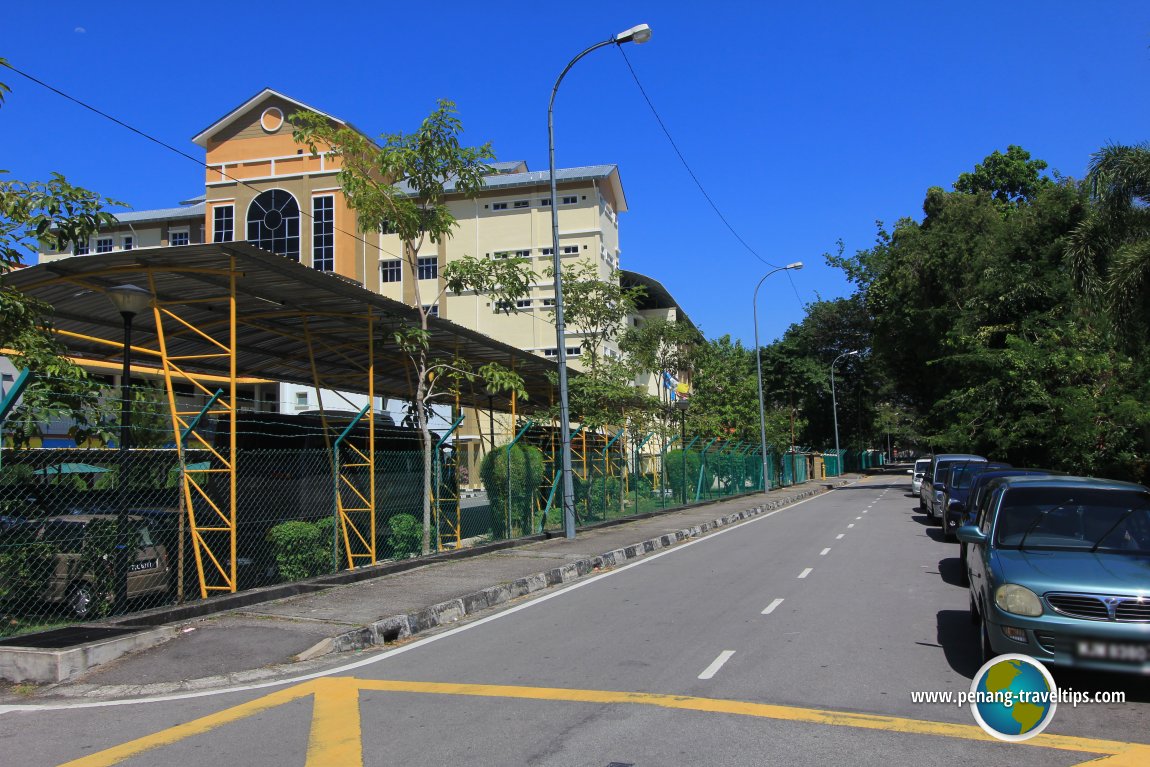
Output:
(93, 532)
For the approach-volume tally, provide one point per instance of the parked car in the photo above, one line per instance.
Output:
(983, 483)
(956, 486)
(930, 494)
(917, 473)
(1057, 570)
(82, 550)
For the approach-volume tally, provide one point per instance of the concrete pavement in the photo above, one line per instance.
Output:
(263, 640)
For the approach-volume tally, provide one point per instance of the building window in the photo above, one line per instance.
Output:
(547, 251)
(523, 254)
(499, 255)
(545, 202)
(82, 248)
(428, 267)
(569, 200)
(103, 244)
(499, 206)
(523, 303)
(223, 223)
(301, 400)
(569, 250)
(432, 311)
(323, 233)
(548, 301)
(572, 351)
(503, 306)
(176, 237)
(391, 271)
(127, 242)
(522, 203)
(273, 223)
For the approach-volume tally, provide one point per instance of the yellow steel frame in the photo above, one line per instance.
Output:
(215, 569)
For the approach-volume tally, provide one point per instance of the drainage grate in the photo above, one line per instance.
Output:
(71, 636)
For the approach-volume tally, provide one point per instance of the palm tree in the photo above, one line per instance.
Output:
(1109, 251)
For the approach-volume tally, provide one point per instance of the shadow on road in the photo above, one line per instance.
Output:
(923, 519)
(950, 568)
(935, 534)
(959, 640)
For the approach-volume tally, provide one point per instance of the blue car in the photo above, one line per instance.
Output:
(955, 489)
(982, 483)
(1059, 569)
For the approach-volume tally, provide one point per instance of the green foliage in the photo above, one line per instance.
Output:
(512, 480)
(301, 549)
(98, 563)
(405, 535)
(595, 306)
(1009, 178)
(604, 495)
(674, 465)
(25, 566)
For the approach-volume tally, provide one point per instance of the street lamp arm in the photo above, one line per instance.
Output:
(566, 69)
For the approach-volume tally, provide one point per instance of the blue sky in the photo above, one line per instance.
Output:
(805, 122)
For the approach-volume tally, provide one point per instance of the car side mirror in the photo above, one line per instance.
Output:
(938, 486)
(970, 534)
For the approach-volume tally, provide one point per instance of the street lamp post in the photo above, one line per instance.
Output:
(682, 404)
(834, 403)
(759, 369)
(636, 34)
(129, 301)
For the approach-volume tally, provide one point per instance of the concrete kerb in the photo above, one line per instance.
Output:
(397, 627)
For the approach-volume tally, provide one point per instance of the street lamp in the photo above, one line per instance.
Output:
(636, 34)
(682, 404)
(129, 301)
(759, 368)
(834, 402)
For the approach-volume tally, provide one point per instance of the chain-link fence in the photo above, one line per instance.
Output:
(87, 533)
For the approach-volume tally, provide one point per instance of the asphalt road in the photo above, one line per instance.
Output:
(795, 638)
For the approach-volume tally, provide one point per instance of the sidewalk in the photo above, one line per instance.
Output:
(322, 625)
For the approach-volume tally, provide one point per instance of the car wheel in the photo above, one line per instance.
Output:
(80, 600)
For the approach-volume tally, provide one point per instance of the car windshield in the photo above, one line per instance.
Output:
(964, 473)
(1093, 519)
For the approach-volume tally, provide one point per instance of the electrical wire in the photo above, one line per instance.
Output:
(694, 177)
(181, 153)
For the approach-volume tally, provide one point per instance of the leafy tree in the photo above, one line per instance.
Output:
(402, 185)
(1109, 251)
(595, 307)
(55, 214)
(1008, 178)
(659, 345)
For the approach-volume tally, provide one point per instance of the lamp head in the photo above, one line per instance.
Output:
(129, 300)
(795, 266)
(638, 34)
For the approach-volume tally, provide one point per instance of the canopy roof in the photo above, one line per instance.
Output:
(286, 316)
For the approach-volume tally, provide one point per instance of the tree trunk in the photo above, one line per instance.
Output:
(425, 433)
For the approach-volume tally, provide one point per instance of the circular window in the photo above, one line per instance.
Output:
(273, 219)
(272, 119)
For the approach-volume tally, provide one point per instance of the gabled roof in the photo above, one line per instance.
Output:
(202, 137)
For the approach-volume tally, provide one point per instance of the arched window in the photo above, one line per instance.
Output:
(273, 223)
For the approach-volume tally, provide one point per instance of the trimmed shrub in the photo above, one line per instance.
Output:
(518, 470)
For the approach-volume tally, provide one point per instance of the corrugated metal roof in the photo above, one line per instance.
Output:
(658, 297)
(533, 178)
(161, 214)
(279, 302)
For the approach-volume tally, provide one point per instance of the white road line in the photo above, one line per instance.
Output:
(858, 517)
(806, 572)
(852, 524)
(839, 537)
(771, 607)
(716, 664)
(389, 654)
(825, 551)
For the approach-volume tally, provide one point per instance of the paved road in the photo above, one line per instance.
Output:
(794, 638)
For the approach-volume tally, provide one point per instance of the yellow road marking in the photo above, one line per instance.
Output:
(117, 754)
(336, 736)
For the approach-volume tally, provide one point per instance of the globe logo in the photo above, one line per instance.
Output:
(1013, 697)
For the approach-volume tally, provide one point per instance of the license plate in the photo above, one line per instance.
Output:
(147, 564)
(1118, 652)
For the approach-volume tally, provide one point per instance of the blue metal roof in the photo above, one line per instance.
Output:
(161, 214)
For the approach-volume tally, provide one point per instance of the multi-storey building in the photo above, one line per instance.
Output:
(263, 187)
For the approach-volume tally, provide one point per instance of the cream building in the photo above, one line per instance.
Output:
(262, 187)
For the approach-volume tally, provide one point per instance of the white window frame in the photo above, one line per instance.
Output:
(177, 231)
(128, 242)
(388, 266)
(105, 244)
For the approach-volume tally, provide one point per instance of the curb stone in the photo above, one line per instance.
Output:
(397, 627)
